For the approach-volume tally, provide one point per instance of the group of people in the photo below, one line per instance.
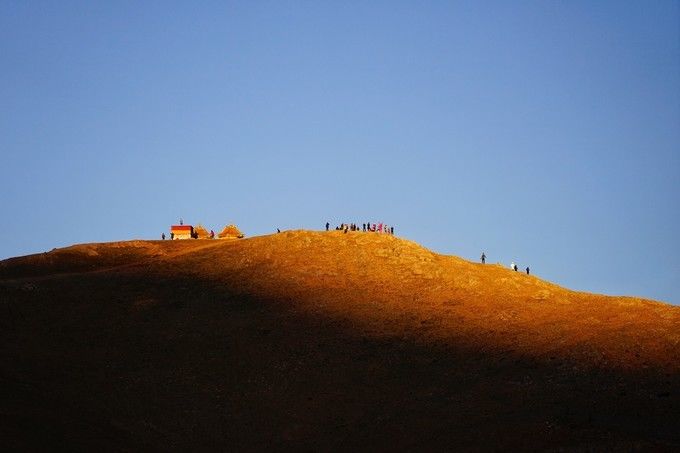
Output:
(365, 227)
(513, 266)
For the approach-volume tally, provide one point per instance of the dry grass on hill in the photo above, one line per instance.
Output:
(230, 232)
(317, 341)
(202, 232)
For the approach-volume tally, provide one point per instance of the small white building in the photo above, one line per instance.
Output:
(181, 232)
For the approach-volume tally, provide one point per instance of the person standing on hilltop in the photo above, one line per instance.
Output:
(212, 234)
(527, 270)
(163, 236)
(483, 258)
(327, 226)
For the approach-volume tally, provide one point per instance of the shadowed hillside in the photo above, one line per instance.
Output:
(317, 341)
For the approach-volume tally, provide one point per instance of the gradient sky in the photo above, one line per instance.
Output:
(544, 132)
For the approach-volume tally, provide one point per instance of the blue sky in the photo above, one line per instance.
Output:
(547, 133)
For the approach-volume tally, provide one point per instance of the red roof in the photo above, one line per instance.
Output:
(181, 228)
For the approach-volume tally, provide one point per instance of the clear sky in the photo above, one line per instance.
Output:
(543, 132)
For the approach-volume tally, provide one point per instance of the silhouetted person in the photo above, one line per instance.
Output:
(163, 236)
(515, 268)
(527, 270)
(278, 231)
(363, 227)
(327, 226)
(392, 231)
(172, 236)
(483, 258)
(212, 234)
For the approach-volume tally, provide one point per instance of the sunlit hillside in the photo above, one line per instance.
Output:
(324, 340)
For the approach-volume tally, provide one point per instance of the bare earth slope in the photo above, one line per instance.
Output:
(317, 341)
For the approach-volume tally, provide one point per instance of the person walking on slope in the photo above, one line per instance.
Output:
(483, 258)
(527, 270)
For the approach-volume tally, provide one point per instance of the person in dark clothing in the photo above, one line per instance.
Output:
(172, 236)
(515, 268)
(392, 231)
(527, 270)
(327, 226)
(363, 227)
(278, 231)
(163, 236)
(483, 258)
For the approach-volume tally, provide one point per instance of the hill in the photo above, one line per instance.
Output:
(315, 341)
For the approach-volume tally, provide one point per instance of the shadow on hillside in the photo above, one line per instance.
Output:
(133, 360)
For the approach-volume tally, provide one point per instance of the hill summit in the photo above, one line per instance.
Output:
(320, 340)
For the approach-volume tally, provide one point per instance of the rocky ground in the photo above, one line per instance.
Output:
(318, 341)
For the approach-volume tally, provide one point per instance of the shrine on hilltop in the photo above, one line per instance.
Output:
(182, 231)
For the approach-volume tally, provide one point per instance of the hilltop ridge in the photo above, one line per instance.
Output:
(284, 328)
